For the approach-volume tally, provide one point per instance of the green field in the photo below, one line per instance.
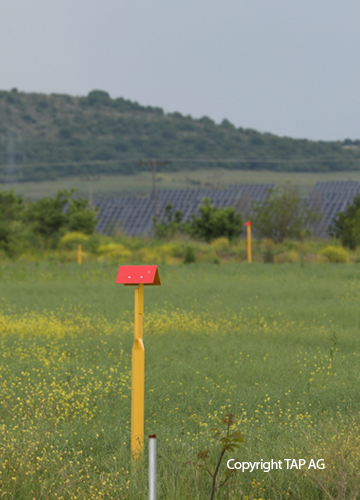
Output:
(114, 185)
(277, 346)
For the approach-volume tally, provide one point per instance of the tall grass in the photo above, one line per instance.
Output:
(278, 346)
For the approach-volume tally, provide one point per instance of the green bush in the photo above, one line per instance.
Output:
(284, 214)
(221, 244)
(268, 256)
(113, 251)
(50, 220)
(189, 255)
(70, 241)
(170, 224)
(337, 255)
(346, 225)
(214, 222)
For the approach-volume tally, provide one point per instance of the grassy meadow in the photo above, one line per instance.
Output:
(217, 178)
(275, 345)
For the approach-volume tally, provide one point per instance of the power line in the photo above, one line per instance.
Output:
(188, 160)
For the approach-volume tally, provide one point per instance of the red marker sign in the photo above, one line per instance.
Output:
(136, 275)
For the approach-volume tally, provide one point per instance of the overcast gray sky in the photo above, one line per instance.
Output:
(290, 67)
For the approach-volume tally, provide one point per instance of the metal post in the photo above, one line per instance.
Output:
(249, 243)
(154, 164)
(154, 190)
(138, 378)
(152, 467)
(90, 179)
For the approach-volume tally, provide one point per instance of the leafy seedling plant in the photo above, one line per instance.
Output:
(229, 441)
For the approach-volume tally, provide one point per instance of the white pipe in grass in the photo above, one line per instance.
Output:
(152, 467)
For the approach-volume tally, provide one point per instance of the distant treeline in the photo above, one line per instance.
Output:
(49, 136)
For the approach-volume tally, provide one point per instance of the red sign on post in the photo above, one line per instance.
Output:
(139, 276)
(136, 275)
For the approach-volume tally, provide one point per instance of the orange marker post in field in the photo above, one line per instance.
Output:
(248, 229)
(140, 276)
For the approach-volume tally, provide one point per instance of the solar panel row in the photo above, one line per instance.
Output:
(134, 215)
(331, 198)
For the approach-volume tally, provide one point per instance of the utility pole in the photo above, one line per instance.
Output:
(10, 176)
(90, 179)
(154, 164)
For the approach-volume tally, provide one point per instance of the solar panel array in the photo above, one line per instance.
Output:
(330, 198)
(135, 215)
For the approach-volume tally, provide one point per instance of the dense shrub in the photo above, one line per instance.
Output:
(346, 225)
(335, 254)
(70, 241)
(42, 223)
(113, 251)
(221, 244)
(283, 215)
(50, 219)
(189, 255)
(214, 222)
(171, 224)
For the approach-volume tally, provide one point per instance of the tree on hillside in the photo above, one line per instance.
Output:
(283, 215)
(346, 225)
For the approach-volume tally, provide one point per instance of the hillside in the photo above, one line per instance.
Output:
(50, 136)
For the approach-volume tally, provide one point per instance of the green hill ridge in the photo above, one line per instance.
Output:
(50, 136)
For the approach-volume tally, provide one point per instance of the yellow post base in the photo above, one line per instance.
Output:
(137, 398)
(249, 244)
(138, 378)
(79, 255)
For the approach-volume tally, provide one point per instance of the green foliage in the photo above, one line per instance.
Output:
(346, 225)
(268, 256)
(170, 224)
(284, 214)
(214, 222)
(189, 257)
(32, 224)
(229, 441)
(74, 131)
(11, 209)
(80, 216)
(98, 97)
(113, 251)
(336, 255)
(70, 241)
(49, 218)
(47, 215)
(11, 206)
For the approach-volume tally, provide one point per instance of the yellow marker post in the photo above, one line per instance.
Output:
(140, 276)
(138, 377)
(248, 229)
(79, 255)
